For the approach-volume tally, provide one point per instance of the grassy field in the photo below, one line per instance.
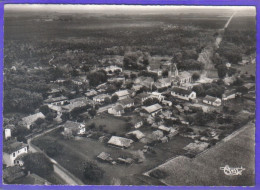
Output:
(113, 124)
(236, 151)
(75, 152)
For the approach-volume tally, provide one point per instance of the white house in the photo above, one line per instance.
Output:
(7, 133)
(184, 77)
(116, 110)
(12, 150)
(228, 95)
(120, 142)
(113, 68)
(153, 109)
(183, 94)
(29, 120)
(58, 101)
(100, 98)
(212, 100)
(126, 103)
(157, 95)
(122, 94)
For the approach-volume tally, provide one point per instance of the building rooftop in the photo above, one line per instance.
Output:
(72, 125)
(122, 93)
(126, 101)
(210, 98)
(56, 99)
(120, 141)
(153, 108)
(13, 146)
(181, 91)
(118, 108)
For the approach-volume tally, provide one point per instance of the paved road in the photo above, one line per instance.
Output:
(68, 177)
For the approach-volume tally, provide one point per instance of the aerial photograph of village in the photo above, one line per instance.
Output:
(129, 95)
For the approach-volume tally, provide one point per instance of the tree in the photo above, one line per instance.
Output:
(38, 163)
(107, 100)
(238, 82)
(75, 73)
(242, 89)
(92, 112)
(195, 76)
(85, 68)
(114, 98)
(150, 101)
(199, 90)
(92, 172)
(45, 109)
(50, 116)
(222, 71)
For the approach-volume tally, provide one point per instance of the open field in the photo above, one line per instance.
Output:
(112, 124)
(75, 152)
(237, 150)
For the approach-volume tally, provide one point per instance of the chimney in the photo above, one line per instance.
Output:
(28, 173)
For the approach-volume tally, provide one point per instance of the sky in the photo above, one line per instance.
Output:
(117, 9)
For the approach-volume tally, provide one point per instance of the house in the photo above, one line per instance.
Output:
(200, 107)
(91, 93)
(184, 77)
(7, 133)
(136, 121)
(122, 94)
(125, 160)
(153, 109)
(101, 98)
(165, 82)
(155, 71)
(29, 120)
(113, 68)
(157, 95)
(75, 103)
(228, 95)
(10, 174)
(116, 110)
(212, 100)
(12, 150)
(145, 81)
(54, 92)
(137, 134)
(167, 103)
(126, 103)
(74, 128)
(136, 87)
(164, 128)
(103, 156)
(120, 142)
(80, 80)
(58, 101)
(117, 79)
(183, 94)
(249, 86)
(140, 98)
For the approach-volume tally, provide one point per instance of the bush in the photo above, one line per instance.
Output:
(92, 172)
(159, 174)
(38, 163)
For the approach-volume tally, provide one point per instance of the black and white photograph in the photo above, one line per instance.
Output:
(129, 95)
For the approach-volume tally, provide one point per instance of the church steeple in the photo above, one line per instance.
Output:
(173, 71)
